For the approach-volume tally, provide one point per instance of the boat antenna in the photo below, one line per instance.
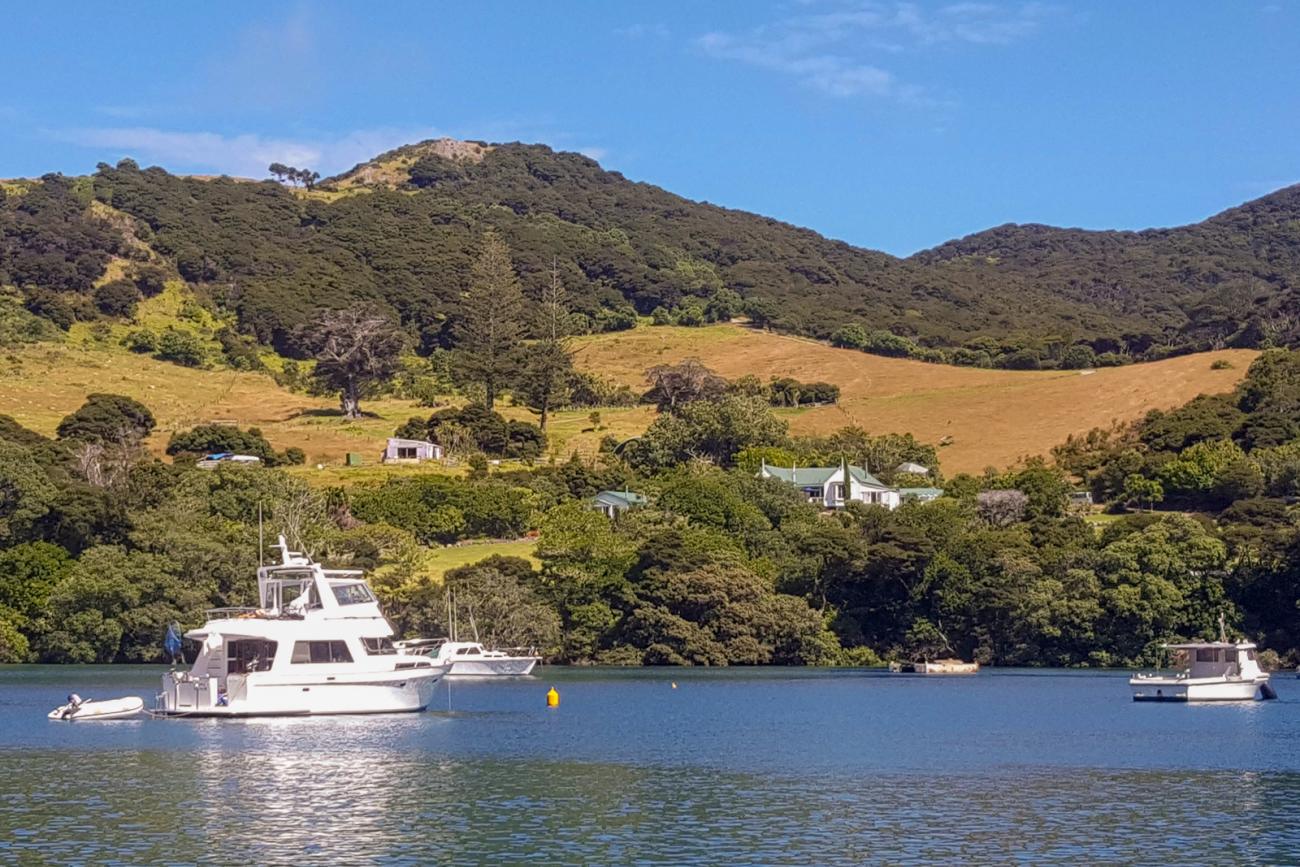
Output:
(261, 537)
(1223, 635)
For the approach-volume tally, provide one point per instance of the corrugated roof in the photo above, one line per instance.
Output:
(627, 498)
(819, 476)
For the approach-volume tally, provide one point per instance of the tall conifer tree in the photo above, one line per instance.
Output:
(489, 332)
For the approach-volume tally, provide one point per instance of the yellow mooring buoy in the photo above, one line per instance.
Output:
(552, 698)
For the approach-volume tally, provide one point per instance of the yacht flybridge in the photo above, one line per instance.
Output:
(317, 644)
(1211, 671)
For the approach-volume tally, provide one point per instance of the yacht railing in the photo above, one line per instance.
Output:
(233, 613)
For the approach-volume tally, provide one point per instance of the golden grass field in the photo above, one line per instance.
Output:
(993, 417)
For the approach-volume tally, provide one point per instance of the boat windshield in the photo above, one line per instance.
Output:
(378, 646)
(351, 593)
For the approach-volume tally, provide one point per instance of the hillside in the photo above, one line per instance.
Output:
(403, 228)
(992, 417)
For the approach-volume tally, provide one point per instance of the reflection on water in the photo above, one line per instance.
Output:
(363, 806)
(728, 769)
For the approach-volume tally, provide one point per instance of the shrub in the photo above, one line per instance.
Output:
(181, 347)
(1221, 364)
(117, 298)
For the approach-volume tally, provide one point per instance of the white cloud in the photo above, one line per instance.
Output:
(245, 155)
(839, 51)
(594, 153)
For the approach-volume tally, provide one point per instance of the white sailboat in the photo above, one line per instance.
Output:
(317, 644)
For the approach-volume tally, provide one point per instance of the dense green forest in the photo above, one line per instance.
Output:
(104, 545)
(404, 230)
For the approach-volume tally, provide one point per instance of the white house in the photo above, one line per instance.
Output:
(612, 503)
(401, 450)
(833, 487)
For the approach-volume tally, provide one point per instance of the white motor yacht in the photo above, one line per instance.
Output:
(471, 659)
(1212, 671)
(318, 644)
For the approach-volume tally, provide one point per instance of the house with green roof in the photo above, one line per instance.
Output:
(611, 503)
(835, 487)
(922, 495)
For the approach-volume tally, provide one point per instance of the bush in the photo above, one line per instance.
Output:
(141, 340)
(489, 431)
(208, 439)
(117, 298)
(108, 418)
(1078, 357)
(1221, 364)
(181, 347)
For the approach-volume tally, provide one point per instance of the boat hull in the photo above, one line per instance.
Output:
(1194, 690)
(264, 695)
(505, 667)
(118, 708)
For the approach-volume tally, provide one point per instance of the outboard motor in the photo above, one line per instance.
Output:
(1266, 691)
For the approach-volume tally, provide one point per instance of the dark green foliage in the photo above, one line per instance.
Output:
(438, 509)
(117, 298)
(214, 438)
(240, 351)
(108, 418)
(49, 241)
(356, 349)
(1034, 292)
(181, 347)
(714, 430)
(787, 391)
(487, 431)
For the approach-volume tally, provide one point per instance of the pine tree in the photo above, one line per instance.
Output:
(548, 365)
(488, 335)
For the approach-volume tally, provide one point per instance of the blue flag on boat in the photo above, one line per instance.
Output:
(172, 643)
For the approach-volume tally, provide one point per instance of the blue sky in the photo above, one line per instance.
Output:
(890, 125)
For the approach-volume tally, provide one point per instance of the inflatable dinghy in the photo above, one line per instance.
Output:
(79, 710)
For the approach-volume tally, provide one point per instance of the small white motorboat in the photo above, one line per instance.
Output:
(80, 710)
(1210, 671)
(471, 659)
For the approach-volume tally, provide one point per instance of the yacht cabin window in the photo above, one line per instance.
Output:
(378, 646)
(249, 654)
(320, 651)
(352, 594)
(1204, 654)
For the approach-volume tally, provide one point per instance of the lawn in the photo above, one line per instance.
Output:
(439, 560)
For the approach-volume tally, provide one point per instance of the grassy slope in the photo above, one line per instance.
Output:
(994, 417)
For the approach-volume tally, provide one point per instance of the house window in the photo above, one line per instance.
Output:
(320, 651)
(837, 491)
(407, 453)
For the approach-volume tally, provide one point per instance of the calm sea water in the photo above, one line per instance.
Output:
(776, 766)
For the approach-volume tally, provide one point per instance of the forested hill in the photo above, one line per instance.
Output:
(1232, 279)
(403, 230)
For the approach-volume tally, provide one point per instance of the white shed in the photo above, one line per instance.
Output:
(401, 451)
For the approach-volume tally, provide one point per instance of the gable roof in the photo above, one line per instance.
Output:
(621, 498)
(819, 476)
(921, 492)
